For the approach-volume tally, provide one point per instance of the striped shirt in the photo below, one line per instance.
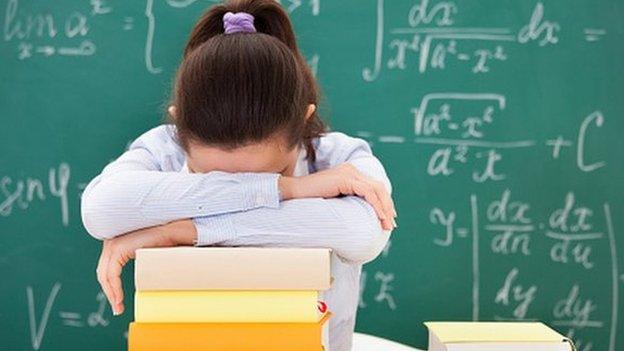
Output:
(147, 186)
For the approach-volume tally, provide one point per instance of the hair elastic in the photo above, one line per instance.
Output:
(242, 22)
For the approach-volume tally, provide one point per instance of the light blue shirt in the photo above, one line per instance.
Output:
(147, 186)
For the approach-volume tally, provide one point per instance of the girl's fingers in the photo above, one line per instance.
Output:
(365, 190)
(387, 224)
(385, 203)
(115, 266)
(385, 198)
(382, 194)
(103, 278)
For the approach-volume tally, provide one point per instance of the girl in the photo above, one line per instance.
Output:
(247, 162)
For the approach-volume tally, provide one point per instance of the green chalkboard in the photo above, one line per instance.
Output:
(499, 122)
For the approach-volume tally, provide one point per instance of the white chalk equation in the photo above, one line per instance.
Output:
(314, 6)
(593, 120)
(20, 194)
(508, 226)
(459, 129)
(511, 229)
(92, 319)
(431, 40)
(40, 317)
(381, 284)
(28, 28)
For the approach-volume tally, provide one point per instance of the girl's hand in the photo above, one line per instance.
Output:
(118, 251)
(344, 179)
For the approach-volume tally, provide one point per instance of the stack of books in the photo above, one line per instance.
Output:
(495, 336)
(234, 299)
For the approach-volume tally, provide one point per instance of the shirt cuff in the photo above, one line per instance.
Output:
(213, 229)
(262, 190)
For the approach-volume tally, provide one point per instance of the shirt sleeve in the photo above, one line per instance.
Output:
(143, 188)
(348, 225)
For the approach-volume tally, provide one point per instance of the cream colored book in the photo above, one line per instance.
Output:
(495, 336)
(297, 306)
(227, 268)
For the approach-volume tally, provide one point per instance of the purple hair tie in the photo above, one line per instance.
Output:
(238, 22)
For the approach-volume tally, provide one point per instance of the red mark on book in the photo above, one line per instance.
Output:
(322, 306)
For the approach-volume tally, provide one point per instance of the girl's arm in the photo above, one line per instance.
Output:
(143, 188)
(349, 225)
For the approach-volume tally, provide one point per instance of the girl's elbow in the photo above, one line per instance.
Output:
(91, 226)
(378, 238)
(95, 214)
(91, 221)
(370, 242)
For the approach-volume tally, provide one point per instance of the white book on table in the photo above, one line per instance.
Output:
(495, 336)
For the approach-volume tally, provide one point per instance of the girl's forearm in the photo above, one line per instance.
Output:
(348, 225)
(181, 233)
(115, 204)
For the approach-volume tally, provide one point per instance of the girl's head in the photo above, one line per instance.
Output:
(245, 100)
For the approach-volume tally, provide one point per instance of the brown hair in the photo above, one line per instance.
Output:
(241, 88)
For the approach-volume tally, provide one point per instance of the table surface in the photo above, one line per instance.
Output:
(365, 342)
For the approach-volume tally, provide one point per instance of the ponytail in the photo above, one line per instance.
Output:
(207, 42)
(269, 18)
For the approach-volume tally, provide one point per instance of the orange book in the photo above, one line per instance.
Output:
(226, 336)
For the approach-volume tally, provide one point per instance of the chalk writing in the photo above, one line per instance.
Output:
(514, 294)
(507, 219)
(385, 289)
(437, 216)
(571, 226)
(594, 34)
(21, 193)
(575, 311)
(558, 144)
(26, 27)
(433, 39)
(595, 118)
(292, 5)
(39, 323)
(94, 319)
(100, 7)
(38, 326)
(581, 345)
(575, 230)
(383, 280)
(456, 135)
(456, 126)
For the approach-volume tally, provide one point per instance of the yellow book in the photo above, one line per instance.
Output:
(226, 306)
(495, 336)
